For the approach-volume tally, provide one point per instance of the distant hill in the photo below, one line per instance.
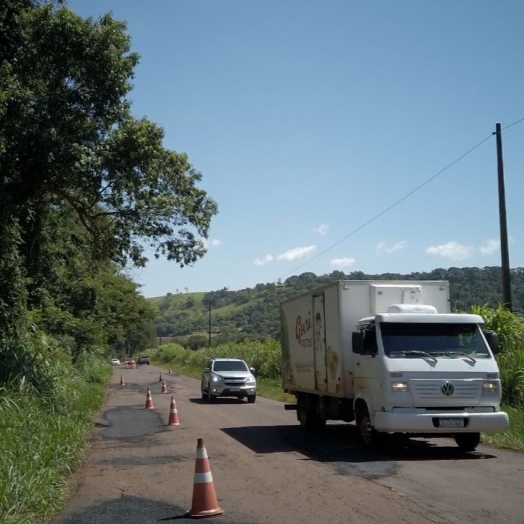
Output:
(254, 312)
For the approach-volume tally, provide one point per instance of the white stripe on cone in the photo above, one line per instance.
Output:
(203, 478)
(201, 453)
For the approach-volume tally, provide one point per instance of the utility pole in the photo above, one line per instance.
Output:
(504, 250)
(209, 343)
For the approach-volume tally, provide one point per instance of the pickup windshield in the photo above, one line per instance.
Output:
(230, 365)
(426, 340)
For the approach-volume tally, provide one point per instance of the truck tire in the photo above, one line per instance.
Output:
(251, 399)
(368, 435)
(307, 415)
(467, 441)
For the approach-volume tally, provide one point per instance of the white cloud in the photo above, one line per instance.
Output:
(383, 247)
(342, 262)
(489, 247)
(452, 250)
(321, 230)
(296, 253)
(208, 243)
(263, 260)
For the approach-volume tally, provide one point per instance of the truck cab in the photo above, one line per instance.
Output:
(420, 372)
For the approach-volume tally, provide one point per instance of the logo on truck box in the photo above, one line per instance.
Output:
(303, 332)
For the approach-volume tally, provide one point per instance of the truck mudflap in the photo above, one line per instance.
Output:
(444, 423)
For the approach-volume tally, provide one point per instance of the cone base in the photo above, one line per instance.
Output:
(207, 513)
(174, 424)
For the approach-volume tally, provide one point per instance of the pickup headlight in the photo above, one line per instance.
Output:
(400, 386)
(251, 380)
(490, 386)
(216, 378)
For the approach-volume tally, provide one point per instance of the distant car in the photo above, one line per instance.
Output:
(143, 360)
(228, 377)
(115, 362)
(130, 362)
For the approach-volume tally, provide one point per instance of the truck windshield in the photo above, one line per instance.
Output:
(404, 340)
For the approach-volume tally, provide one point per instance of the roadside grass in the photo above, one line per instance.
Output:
(191, 363)
(43, 439)
(514, 437)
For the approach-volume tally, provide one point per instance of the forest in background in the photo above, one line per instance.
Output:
(253, 313)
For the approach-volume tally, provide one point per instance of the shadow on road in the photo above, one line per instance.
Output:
(219, 400)
(130, 510)
(338, 443)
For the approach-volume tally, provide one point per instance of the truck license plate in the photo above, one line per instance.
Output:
(234, 389)
(452, 422)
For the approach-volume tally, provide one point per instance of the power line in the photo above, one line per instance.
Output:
(389, 208)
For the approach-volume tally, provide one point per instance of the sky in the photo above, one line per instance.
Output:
(338, 135)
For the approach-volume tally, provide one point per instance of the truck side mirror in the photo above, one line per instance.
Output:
(252, 370)
(357, 342)
(493, 341)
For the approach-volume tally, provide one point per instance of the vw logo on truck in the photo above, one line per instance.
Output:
(447, 389)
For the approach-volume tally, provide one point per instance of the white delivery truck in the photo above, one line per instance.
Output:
(391, 356)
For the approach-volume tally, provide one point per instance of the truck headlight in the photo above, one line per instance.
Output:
(251, 380)
(216, 378)
(490, 386)
(399, 386)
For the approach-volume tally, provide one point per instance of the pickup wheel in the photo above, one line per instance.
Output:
(368, 435)
(202, 391)
(467, 441)
(210, 397)
(251, 399)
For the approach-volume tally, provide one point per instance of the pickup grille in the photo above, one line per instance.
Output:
(234, 381)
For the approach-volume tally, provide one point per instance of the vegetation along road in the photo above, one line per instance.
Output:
(266, 469)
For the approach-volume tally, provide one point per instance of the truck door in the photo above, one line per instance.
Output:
(367, 371)
(319, 342)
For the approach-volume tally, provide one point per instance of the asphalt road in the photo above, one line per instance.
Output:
(267, 470)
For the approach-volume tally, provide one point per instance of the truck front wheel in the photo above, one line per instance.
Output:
(368, 435)
(467, 441)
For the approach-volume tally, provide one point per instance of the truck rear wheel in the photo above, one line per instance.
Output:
(307, 415)
(467, 441)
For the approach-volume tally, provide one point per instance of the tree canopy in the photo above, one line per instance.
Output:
(86, 188)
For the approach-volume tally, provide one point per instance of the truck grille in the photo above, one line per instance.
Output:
(425, 391)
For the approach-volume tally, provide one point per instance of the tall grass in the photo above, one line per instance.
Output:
(510, 329)
(265, 357)
(42, 436)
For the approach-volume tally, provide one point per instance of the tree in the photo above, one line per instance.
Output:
(68, 141)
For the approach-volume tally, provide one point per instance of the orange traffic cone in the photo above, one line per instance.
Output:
(170, 371)
(122, 383)
(173, 414)
(205, 503)
(164, 387)
(149, 400)
(160, 379)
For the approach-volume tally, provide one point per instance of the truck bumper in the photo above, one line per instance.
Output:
(432, 422)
